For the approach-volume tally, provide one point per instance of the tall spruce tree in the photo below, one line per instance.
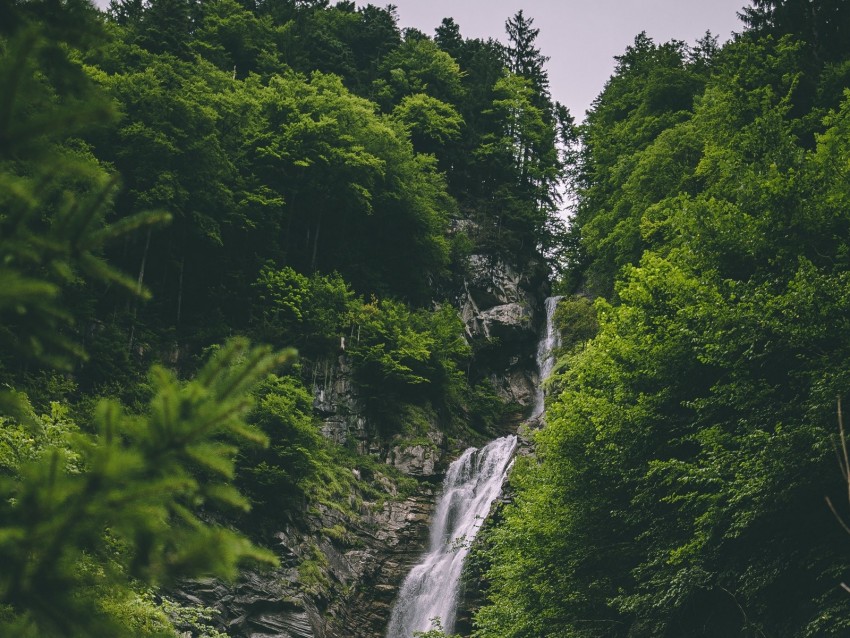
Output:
(523, 57)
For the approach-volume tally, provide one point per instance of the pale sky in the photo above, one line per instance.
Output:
(581, 37)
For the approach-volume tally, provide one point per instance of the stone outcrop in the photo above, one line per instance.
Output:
(397, 539)
(327, 585)
(490, 282)
(419, 459)
(515, 384)
(496, 302)
(501, 312)
(506, 321)
(335, 402)
(259, 606)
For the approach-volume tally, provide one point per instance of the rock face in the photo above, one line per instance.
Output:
(338, 573)
(259, 607)
(491, 282)
(496, 301)
(397, 539)
(325, 587)
(419, 459)
(501, 311)
(335, 402)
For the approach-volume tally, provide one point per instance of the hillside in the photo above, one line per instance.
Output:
(266, 269)
(181, 179)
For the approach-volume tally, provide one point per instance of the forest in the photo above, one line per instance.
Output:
(204, 205)
(692, 435)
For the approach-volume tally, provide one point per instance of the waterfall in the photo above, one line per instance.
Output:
(472, 483)
(431, 588)
(550, 340)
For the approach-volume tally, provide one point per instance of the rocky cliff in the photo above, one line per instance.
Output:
(340, 568)
(502, 309)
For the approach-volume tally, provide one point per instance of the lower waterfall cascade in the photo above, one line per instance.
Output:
(430, 591)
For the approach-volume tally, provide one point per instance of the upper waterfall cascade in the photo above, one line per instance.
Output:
(471, 485)
(550, 339)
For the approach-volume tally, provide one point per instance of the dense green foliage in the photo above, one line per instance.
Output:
(315, 137)
(322, 179)
(687, 454)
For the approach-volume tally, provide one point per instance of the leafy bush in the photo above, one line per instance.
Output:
(310, 313)
(575, 320)
(273, 477)
(403, 355)
(436, 631)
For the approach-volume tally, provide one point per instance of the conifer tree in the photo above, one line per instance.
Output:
(523, 57)
(104, 511)
(448, 38)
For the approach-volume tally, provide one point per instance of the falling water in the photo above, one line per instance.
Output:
(545, 359)
(472, 483)
(431, 588)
